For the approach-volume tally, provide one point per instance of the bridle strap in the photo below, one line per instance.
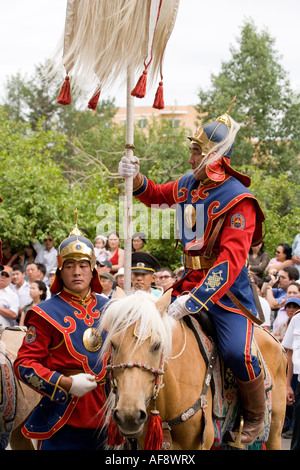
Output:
(130, 365)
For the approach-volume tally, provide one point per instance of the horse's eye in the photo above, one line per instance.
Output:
(156, 347)
(113, 346)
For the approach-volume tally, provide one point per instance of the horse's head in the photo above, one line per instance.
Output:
(140, 338)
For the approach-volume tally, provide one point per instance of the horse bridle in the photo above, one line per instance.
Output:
(129, 365)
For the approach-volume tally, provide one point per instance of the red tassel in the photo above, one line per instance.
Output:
(92, 104)
(114, 437)
(159, 97)
(65, 93)
(154, 434)
(140, 89)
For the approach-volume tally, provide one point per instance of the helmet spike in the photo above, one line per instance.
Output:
(231, 104)
(75, 230)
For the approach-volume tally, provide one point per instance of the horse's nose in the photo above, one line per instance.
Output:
(138, 417)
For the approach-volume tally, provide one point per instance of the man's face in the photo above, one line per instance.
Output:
(292, 291)
(18, 278)
(5, 279)
(142, 281)
(107, 284)
(102, 269)
(196, 158)
(49, 243)
(291, 309)
(76, 276)
(284, 280)
(32, 272)
(165, 279)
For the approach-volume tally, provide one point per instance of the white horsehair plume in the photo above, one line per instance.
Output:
(104, 38)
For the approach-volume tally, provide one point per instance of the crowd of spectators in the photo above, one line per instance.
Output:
(25, 279)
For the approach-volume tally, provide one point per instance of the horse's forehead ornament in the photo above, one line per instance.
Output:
(137, 332)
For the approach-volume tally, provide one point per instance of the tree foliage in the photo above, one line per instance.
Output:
(266, 106)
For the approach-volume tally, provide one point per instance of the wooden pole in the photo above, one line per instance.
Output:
(128, 184)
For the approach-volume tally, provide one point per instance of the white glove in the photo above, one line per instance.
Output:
(82, 384)
(128, 167)
(176, 310)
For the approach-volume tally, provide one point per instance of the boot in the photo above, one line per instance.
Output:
(253, 404)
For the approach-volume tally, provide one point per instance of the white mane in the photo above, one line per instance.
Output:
(122, 313)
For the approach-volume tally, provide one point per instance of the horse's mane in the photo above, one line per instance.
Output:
(123, 312)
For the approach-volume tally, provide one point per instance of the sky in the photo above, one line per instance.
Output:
(30, 31)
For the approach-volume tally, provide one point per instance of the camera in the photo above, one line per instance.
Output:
(268, 278)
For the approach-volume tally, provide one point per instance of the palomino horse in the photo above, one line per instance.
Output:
(27, 398)
(155, 357)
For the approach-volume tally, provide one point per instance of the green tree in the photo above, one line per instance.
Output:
(265, 105)
(37, 199)
(279, 200)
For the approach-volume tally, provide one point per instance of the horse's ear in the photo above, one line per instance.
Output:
(119, 293)
(164, 301)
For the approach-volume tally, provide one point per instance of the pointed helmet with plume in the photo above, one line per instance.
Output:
(216, 140)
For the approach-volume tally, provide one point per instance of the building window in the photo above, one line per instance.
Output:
(142, 123)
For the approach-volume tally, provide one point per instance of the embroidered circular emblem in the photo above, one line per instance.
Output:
(189, 216)
(238, 221)
(92, 339)
(78, 247)
(30, 335)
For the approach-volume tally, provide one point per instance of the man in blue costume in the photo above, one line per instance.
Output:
(219, 220)
(59, 357)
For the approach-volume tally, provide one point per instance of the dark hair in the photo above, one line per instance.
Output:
(168, 270)
(293, 272)
(260, 251)
(294, 283)
(18, 267)
(42, 286)
(41, 267)
(287, 250)
(32, 248)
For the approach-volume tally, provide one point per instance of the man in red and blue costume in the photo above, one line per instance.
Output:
(59, 357)
(219, 219)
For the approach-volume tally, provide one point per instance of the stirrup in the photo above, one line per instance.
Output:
(238, 441)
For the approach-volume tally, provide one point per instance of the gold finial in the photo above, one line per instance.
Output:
(75, 230)
(225, 117)
(231, 104)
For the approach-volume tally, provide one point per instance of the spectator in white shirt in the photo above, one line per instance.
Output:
(46, 255)
(9, 301)
(20, 286)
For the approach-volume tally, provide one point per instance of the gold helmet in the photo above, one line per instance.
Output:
(76, 246)
(214, 133)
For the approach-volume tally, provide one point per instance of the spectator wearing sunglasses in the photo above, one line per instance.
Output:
(46, 255)
(9, 301)
(282, 259)
(165, 278)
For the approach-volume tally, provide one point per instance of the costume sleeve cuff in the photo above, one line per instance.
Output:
(194, 305)
(49, 387)
(142, 188)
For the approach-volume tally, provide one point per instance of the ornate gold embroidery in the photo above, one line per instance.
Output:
(35, 382)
